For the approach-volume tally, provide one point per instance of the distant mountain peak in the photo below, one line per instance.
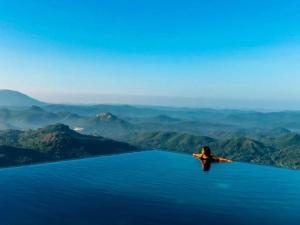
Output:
(8, 91)
(106, 116)
(15, 98)
(59, 127)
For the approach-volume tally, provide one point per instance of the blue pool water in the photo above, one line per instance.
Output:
(151, 187)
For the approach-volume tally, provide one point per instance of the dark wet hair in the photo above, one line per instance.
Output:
(206, 150)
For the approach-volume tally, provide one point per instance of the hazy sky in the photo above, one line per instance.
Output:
(60, 50)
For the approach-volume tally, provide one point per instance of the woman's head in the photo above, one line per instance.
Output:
(206, 151)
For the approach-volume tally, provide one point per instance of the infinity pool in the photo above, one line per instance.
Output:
(151, 187)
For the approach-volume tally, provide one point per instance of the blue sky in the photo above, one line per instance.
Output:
(86, 51)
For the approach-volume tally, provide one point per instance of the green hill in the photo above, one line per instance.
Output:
(288, 157)
(58, 142)
(170, 141)
(244, 149)
(291, 139)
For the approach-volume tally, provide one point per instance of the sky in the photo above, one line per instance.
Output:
(216, 53)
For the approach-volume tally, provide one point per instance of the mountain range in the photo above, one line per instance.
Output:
(267, 138)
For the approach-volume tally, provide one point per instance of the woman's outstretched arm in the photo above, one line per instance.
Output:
(220, 159)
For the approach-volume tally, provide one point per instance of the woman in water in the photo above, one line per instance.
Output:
(205, 154)
(207, 158)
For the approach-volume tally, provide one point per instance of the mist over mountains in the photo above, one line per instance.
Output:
(260, 137)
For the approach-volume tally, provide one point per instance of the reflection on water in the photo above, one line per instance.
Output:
(205, 164)
(154, 187)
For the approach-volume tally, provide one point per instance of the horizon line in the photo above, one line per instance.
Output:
(183, 102)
